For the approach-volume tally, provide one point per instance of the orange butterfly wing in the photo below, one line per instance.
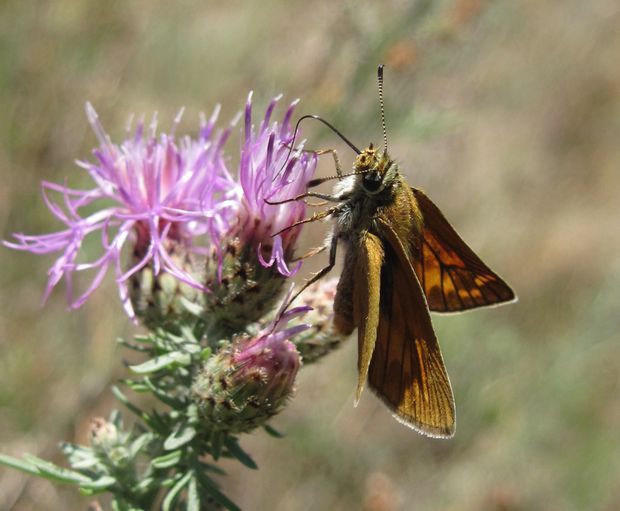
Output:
(366, 299)
(407, 370)
(452, 276)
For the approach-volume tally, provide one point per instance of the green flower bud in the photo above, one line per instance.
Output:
(247, 382)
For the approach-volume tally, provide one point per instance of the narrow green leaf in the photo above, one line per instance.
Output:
(145, 485)
(167, 460)
(188, 334)
(193, 308)
(135, 347)
(191, 348)
(79, 457)
(206, 353)
(93, 465)
(173, 493)
(160, 423)
(136, 386)
(146, 338)
(171, 401)
(99, 484)
(192, 414)
(209, 486)
(216, 444)
(200, 329)
(157, 363)
(209, 467)
(116, 418)
(180, 436)
(233, 448)
(139, 444)
(69, 448)
(56, 473)
(130, 406)
(193, 499)
(273, 432)
(169, 482)
(21, 465)
(121, 505)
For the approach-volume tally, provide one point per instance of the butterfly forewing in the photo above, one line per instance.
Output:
(452, 276)
(366, 299)
(407, 369)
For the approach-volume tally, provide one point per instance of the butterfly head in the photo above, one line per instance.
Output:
(375, 168)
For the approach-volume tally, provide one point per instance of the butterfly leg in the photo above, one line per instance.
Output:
(316, 182)
(326, 197)
(337, 163)
(321, 152)
(321, 273)
(313, 218)
(310, 253)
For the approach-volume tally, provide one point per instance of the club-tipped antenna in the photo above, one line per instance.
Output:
(380, 83)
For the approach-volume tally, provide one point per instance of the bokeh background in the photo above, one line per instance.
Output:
(506, 113)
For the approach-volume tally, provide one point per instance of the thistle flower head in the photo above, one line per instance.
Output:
(247, 267)
(169, 198)
(243, 385)
(157, 191)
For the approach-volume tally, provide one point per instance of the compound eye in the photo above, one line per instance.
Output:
(372, 181)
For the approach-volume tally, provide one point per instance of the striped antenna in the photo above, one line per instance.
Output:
(380, 82)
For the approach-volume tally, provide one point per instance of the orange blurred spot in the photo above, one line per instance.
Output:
(462, 12)
(402, 55)
(381, 494)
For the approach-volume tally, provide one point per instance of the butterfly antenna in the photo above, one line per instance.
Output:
(334, 129)
(380, 83)
(329, 125)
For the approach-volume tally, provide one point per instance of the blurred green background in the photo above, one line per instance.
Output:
(506, 113)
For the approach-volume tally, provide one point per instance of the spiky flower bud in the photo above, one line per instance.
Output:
(242, 289)
(250, 380)
(321, 338)
(241, 387)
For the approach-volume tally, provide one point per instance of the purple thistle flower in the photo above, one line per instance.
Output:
(265, 173)
(167, 193)
(162, 192)
(248, 268)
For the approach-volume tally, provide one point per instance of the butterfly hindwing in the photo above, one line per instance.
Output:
(407, 370)
(452, 276)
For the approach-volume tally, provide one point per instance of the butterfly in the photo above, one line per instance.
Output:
(403, 260)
